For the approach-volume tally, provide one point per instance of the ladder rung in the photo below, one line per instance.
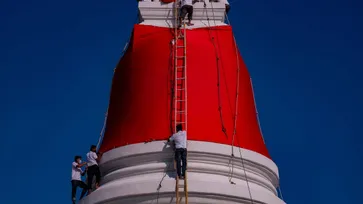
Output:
(181, 111)
(180, 46)
(180, 78)
(180, 100)
(180, 89)
(180, 56)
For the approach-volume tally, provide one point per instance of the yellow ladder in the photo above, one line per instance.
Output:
(180, 72)
(180, 92)
(181, 187)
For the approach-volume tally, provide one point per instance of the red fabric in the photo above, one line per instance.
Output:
(141, 92)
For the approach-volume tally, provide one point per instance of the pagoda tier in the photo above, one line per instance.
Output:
(143, 174)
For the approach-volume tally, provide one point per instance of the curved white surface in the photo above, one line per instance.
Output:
(143, 173)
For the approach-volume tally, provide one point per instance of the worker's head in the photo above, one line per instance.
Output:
(93, 148)
(78, 159)
(179, 127)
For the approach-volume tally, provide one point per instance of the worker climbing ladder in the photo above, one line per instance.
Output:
(180, 92)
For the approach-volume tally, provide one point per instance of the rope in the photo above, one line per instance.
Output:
(236, 108)
(259, 125)
(172, 84)
(280, 191)
(102, 130)
(257, 115)
(236, 102)
(228, 22)
(219, 99)
(106, 114)
(161, 181)
(245, 172)
(224, 130)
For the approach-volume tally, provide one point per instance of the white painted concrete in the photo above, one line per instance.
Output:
(132, 174)
(163, 15)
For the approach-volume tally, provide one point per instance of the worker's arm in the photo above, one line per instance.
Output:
(84, 172)
(80, 165)
(99, 155)
(171, 138)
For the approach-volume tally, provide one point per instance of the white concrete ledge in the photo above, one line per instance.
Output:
(132, 174)
(163, 15)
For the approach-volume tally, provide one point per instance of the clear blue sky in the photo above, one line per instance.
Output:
(57, 60)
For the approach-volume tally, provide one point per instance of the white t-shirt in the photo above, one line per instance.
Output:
(76, 172)
(187, 2)
(91, 158)
(180, 139)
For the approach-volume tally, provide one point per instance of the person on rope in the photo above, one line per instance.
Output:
(180, 140)
(76, 181)
(93, 169)
(186, 8)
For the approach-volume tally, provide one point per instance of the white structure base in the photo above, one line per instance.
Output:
(163, 15)
(144, 173)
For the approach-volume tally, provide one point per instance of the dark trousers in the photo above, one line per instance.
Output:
(80, 184)
(181, 157)
(91, 172)
(186, 9)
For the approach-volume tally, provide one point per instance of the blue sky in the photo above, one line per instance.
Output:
(305, 57)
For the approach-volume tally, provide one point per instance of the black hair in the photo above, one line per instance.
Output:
(92, 147)
(77, 157)
(179, 127)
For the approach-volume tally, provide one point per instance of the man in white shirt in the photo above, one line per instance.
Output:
(76, 181)
(180, 140)
(93, 169)
(186, 8)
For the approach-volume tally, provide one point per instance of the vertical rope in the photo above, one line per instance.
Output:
(257, 115)
(280, 191)
(236, 110)
(102, 131)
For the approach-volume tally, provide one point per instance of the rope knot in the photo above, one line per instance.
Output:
(224, 129)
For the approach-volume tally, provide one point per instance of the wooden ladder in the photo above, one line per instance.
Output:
(181, 186)
(180, 92)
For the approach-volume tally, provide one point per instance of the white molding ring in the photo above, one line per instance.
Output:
(132, 174)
